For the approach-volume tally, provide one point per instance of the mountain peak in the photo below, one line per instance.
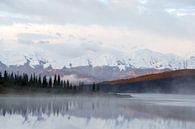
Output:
(141, 58)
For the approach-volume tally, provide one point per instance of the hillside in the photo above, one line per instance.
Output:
(179, 81)
(157, 76)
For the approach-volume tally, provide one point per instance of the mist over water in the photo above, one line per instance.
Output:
(142, 111)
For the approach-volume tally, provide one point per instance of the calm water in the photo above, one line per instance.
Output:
(143, 111)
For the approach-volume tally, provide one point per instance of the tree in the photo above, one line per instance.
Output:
(70, 87)
(5, 76)
(16, 79)
(44, 84)
(0, 78)
(50, 82)
(75, 87)
(93, 87)
(31, 80)
(55, 80)
(68, 84)
(59, 80)
(12, 76)
(39, 80)
(25, 80)
(34, 79)
(62, 84)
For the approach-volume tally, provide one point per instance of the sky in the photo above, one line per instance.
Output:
(78, 28)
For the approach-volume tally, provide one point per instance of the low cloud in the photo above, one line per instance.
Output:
(34, 36)
(181, 12)
(25, 41)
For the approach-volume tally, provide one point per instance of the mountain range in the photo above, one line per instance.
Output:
(111, 67)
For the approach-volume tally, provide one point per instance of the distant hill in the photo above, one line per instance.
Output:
(157, 76)
(178, 81)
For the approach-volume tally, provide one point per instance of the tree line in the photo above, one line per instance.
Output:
(34, 81)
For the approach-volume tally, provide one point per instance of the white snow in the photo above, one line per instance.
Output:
(142, 58)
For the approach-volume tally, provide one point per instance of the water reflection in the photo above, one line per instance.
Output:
(90, 112)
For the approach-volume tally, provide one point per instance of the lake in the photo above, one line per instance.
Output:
(141, 111)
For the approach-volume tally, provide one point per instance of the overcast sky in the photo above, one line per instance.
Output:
(74, 28)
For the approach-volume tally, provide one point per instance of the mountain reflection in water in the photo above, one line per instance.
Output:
(82, 112)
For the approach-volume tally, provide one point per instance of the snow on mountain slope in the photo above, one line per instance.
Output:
(142, 58)
(190, 63)
(94, 66)
(150, 59)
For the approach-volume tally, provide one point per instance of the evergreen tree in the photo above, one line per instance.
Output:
(44, 84)
(23, 80)
(70, 87)
(31, 80)
(68, 84)
(34, 79)
(39, 80)
(50, 82)
(55, 80)
(93, 87)
(59, 80)
(62, 84)
(75, 87)
(15, 79)
(12, 76)
(0, 78)
(5, 76)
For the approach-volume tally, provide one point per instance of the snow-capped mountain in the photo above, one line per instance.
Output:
(142, 58)
(150, 59)
(102, 68)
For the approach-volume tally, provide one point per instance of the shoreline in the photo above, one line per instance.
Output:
(54, 94)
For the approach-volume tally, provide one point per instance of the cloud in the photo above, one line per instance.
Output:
(25, 41)
(79, 28)
(91, 38)
(34, 36)
(148, 15)
(43, 42)
(181, 12)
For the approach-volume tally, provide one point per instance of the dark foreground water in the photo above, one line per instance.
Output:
(143, 111)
